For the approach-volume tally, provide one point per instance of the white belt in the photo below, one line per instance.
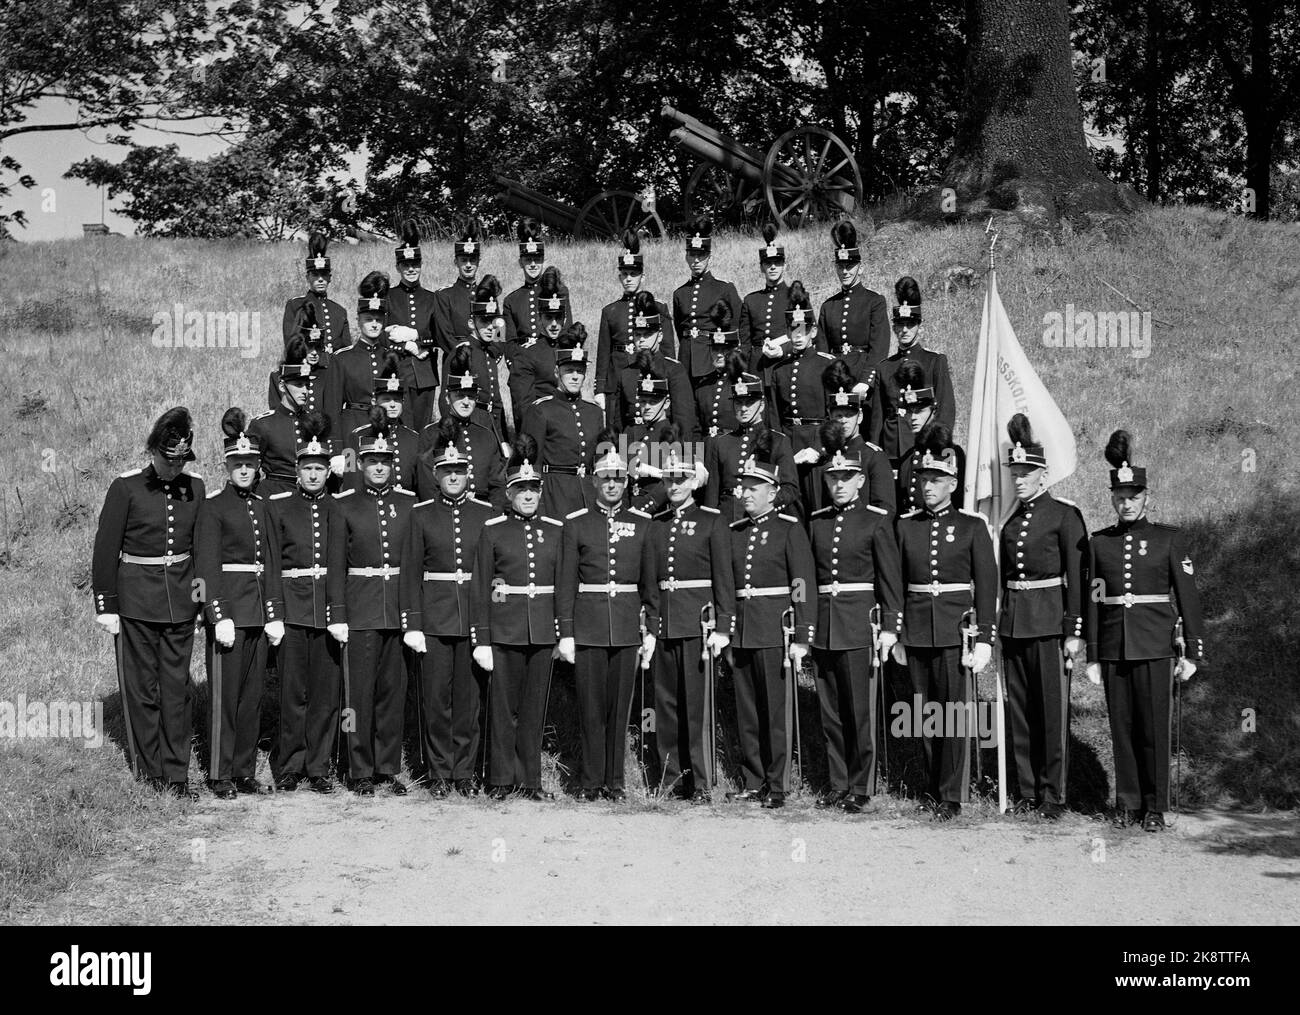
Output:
(1128, 599)
(1020, 585)
(170, 558)
(374, 572)
(673, 584)
(249, 568)
(835, 588)
(526, 590)
(613, 588)
(937, 588)
(315, 571)
(459, 577)
(748, 592)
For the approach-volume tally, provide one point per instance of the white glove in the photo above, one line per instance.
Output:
(339, 464)
(274, 631)
(110, 623)
(797, 652)
(400, 334)
(899, 653)
(886, 641)
(224, 632)
(647, 650)
(774, 348)
(1094, 673)
(414, 640)
(1073, 646)
(715, 643)
(506, 451)
(565, 650)
(644, 471)
(981, 656)
(1184, 668)
(483, 657)
(339, 632)
(600, 400)
(701, 475)
(806, 456)
(862, 387)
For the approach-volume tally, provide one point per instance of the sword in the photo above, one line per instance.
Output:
(132, 752)
(1180, 645)
(877, 674)
(347, 703)
(791, 698)
(969, 632)
(214, 691)
(707, 625)
(640, 716)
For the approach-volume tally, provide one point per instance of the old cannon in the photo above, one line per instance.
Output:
(808, 174)
(604, 217)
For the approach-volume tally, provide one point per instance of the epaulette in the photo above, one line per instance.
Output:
(824, 355)
(669, 359)
(1165, 526)
(739, 522)
(486, 504)
(635, 511)
(874, 447)
(712, 511)
(128, 475)
(263, 415)
(363, 426)
(788, 518)
(576, 514)
(1062, 500)
(823, 511)
(544, 398)
(494, 521)
(421, 503)
(914, 511)
(402, 489)
(973, 514)
(214, 493)
(875, 508)
(281, 496)
(547, 518)
(345, 493)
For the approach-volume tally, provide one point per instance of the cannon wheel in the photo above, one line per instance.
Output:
(810, 175)
(724, 196)
(606, 215)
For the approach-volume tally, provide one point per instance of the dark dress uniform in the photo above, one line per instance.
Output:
(762, 317)
(908, 493)
(451, 315)
(237, 556)
(797, 398)
(692, 302)
(359, 366)
(366, 536)
(615, 349)
(606, 578)
(948, 567)
(1042, 552)
(878, 489)
(406, 455)
(565, 428)
(532, 373)
(308, 659)
(854, 326)
(324, 393)
(888, 425)
(772, 566)
(331, 317)
(512, 602)
(682, 401)
(692, 564)
(645, 493)
(714, 407)
(278, 432)
(413, 306)
(522, 314)
(1131, 633)
(487, 363)
(857, 568)
(725, 455)
(142, 570)
(477, 443)
(437, 565)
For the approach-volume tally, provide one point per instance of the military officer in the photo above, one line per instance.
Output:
(725, 455)
(1133, 567)
(694, 299)
(386, 413)
(360, 363)
(327, 393)
(478, 444)
(237, 560)
(614, 341)
(532, 371)
(142, 575)
(919, 401)
(853, 323)
(308, 658)
(795, 389)
(772, 566)
(524, 321)
(489, 357)
(512, 603)
(713, 406)
(692, 564)
(762, 331)
(437, 564)
(846, 402)
(604, 595)
(366, 536)
(451, 307)
(645, 490)
(330, 316)
(947, 570)
(647, 334)
(410, 330)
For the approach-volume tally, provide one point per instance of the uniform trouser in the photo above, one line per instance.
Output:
(155, 686)
(679, 712)
(761, 716)
(310, 691)
(375, 692)
(1138, 696)
(520, 684)
(1038, 707)
(847, 689)
(449, 691)
(605, 678)
(937, 676)
(236, 677)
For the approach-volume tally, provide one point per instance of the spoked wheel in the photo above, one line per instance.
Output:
(810, 175)
(725, 197)
(607, 215)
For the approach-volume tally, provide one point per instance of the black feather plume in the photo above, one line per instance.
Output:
(233, 421)
(1119, 449)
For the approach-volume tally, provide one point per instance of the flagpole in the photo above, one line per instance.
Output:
(999, 708)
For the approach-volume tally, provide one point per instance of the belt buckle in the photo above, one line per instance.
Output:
(532, 590)
(934, 587)
(835, 588)
(582, 470)
(1128, 600)
(460, 576)
(167, 559)
(672, 585)
(610, 588)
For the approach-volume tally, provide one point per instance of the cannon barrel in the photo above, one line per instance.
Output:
(522, 200)
(710, 145)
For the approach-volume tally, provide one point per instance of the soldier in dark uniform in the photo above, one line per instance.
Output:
(437, 564)
(649, 357)
(614, 341)
(386, 413)
(451, 307)
(330, 316)
(794, 386)
(564, 428)
(524, 321)
(366, 536)
(846, 402)
(308, 658)
(606, 580)
(327, 393)
(919, 402)
(853, 323)
(237, 560)
(725, 455)
(142, 577)
(645, 491)
(489, 357)
(278, 432)
(772, 565)
(692, 564)
(948, 568)
(512, 602)
(532, 370)
(763, 312)
(471, 428)
(713, 407)
(410, 330)
(694, 299)
(359, 364)
(857, 570)
(1133, 566)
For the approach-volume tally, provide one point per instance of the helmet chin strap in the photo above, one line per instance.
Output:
(285, 396)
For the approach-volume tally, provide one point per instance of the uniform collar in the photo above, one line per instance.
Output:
(684, 508)
(1140, 523)
(941, 513)
(764, 516)
(410, 288)
(324, 492)
(610, 510)
(526, 518)
(442, 497)
(383, 491)
(241, 493)
(775, 287)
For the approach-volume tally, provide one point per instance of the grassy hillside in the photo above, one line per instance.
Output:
(82, 381)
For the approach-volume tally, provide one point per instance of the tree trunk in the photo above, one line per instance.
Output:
(1154, 88)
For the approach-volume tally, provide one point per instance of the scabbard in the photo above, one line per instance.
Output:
(133, 754)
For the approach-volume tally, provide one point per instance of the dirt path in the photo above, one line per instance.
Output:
(304, 859)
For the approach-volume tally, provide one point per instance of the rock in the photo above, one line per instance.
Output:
(951, 278)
